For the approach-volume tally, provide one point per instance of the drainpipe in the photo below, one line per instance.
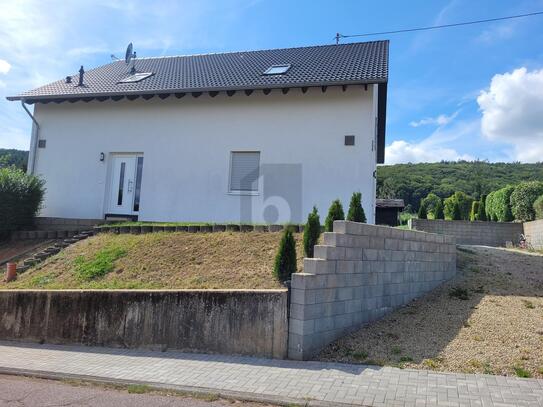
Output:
(33, 140)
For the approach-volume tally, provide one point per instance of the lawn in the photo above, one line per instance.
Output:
(489, 319)
(177, 260)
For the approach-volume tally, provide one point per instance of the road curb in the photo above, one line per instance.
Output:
(225, 394)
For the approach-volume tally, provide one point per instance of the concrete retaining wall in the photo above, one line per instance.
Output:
(252, 322)
(361, 273)
(478, 233)
(534, 233)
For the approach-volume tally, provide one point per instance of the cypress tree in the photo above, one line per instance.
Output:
(438, 211)
(285, 260)
(356, 212)
(312, 231)
(334, 213)
(456, 211)
(422, 214)
(481, 213)
(474, 213)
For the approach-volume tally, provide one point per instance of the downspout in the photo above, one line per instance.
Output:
(33, 140)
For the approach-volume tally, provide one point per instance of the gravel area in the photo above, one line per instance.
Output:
(488, 319)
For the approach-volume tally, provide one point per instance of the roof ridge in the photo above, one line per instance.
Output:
(261, 50)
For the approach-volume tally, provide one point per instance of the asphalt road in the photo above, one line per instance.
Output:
(23, 392)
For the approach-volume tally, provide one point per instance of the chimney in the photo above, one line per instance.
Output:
(81, 74)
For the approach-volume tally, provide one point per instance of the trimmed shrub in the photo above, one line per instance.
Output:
(21, 196)
(432, 202)
(474, 214)
(422, 214)
(312, 232)
(481, 211)
(538, 208)
(523, 198)
(334, 213)
(501, 206)
(438, 211)
(489, 203)
(356, 212)
(457, 206)
(457, 212)
(285, 260)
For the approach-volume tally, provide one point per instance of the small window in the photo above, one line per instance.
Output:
(244, 171)
(42, 143)
(137, 77)
(277, 69)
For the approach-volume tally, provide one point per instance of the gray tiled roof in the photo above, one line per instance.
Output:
(363, 62)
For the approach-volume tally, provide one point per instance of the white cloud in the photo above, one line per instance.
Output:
(5, 66)
(512, 109)
(440, 120)
(401, 151)
(439, 146)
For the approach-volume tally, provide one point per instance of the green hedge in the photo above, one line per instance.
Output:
(457, 206)
(523, 199)
(21, 196)
(538, 208)
(498, 205)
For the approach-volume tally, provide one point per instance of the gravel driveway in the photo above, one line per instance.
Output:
(489, 319)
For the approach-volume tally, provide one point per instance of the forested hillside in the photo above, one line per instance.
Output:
(11, 157)
(411, 182)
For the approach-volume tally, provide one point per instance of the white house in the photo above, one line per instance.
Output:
(257, 136)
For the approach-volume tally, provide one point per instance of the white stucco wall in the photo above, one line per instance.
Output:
(186, 145)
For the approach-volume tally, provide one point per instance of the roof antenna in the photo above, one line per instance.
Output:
(338, 37)
(130, 56)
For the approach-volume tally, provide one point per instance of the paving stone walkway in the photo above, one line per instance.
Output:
(309, 383)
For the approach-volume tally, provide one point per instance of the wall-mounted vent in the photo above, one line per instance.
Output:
(349, 140)
(42, 143)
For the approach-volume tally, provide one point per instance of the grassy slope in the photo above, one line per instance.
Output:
(162, 260)
(498, 329)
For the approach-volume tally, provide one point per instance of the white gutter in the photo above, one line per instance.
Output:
(33, 140)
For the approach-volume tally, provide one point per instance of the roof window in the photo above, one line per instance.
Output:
(277, 69)
(137, 77)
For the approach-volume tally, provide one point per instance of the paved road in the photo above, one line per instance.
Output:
(22, 391)
(316, 383)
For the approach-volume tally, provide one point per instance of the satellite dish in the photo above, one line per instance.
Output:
(129, 54)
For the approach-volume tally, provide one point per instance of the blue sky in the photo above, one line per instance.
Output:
(474, 92)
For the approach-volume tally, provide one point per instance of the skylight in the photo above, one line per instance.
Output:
(277, 69)
(137, 77)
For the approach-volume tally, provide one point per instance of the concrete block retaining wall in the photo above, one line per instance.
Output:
(64, 224)
(477, 233)
(249, 322)
(361, 273)
(534, 233)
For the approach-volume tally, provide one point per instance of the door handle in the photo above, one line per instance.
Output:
(130, 183)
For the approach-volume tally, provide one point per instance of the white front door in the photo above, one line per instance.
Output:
(126, 174)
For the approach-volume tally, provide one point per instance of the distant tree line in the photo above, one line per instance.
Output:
(413, 182)
(11, 157)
